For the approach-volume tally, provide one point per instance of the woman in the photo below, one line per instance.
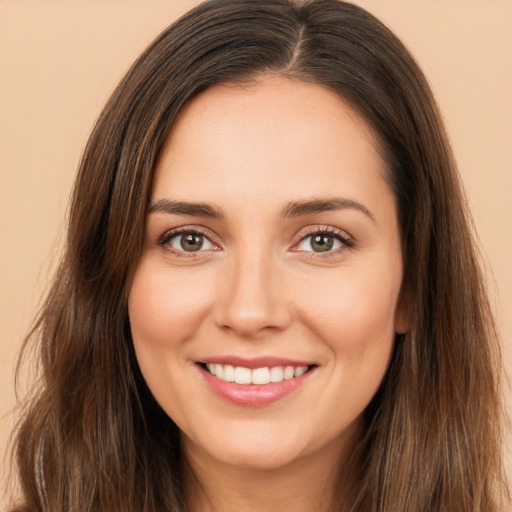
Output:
(270, 296)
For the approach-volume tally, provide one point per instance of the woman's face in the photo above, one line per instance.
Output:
(272, 254)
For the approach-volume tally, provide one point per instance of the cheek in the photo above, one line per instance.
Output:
(352, 309)
(352, 314)
(165, 310)
(166, 307)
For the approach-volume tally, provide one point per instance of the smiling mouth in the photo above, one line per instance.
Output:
(256, 376)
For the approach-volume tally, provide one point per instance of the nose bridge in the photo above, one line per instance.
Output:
(252, 299)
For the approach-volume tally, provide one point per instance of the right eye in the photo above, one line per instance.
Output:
(189, 241)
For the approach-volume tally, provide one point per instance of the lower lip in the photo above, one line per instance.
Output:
(254, 395)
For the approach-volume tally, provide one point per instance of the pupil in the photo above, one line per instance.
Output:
(322, 243)
(191, 242)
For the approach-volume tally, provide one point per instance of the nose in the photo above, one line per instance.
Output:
(252, 301)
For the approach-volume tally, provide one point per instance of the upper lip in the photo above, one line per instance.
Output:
(255, 362)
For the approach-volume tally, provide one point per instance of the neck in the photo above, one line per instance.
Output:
(305, 484)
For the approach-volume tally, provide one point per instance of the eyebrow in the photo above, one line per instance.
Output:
(292, 209)
(310, 207)
(185, 208)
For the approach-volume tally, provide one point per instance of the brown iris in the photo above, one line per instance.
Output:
(191, 242)
(322, 243)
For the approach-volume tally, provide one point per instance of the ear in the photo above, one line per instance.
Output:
(402, 311)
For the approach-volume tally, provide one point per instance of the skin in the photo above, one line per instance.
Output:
(257, 287)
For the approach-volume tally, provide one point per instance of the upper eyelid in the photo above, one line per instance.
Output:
(169, 233)
(331, 230)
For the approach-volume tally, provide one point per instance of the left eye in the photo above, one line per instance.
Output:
(190, 242)
(320, 242)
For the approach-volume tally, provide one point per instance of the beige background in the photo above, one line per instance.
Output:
(59, 60)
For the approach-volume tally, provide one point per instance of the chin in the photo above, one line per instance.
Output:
(260, 451)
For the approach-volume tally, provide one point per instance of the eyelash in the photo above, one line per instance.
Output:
(173, 233)
(346, 242)
(341, 236)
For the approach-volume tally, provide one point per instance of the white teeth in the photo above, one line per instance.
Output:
(276, 374)
(219, 371)
(242, 375)
(300, 370)
(259, 376)
(229, 373)
(288, 372)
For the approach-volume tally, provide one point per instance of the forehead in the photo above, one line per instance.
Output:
(286, 135)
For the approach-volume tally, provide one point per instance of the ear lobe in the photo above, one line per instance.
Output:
(402, 312)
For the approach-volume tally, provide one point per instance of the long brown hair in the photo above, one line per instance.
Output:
(93, 438)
